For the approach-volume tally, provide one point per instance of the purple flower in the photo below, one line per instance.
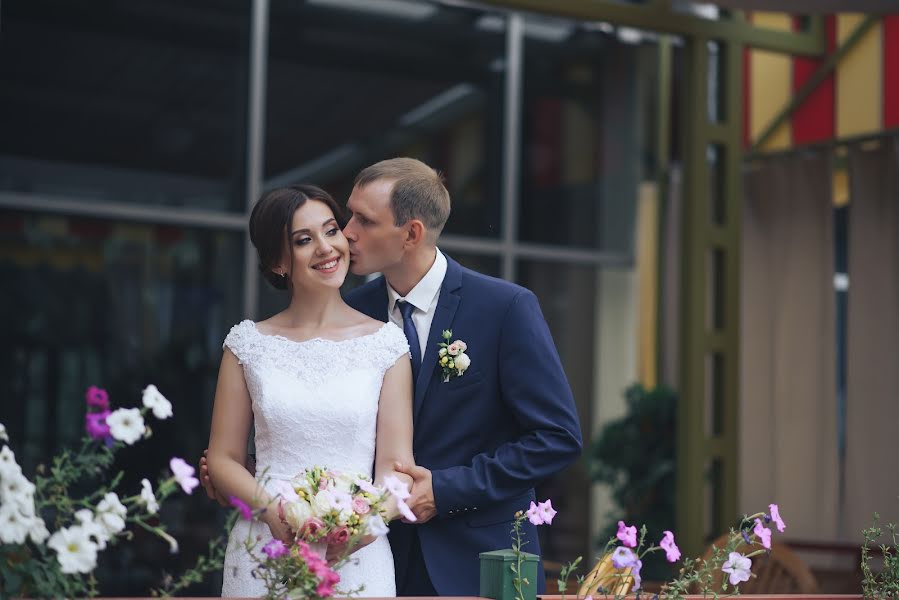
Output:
(245, 511)
(535, 515)
(184, 475)
(763, 533)
(547, 512)
(275, 549)
(775, 516)
(627, 535)
(95, 425)
(635, 573)
(739, 567)
(746, 537)
(623, 558)
(97, 397)
(672, 552)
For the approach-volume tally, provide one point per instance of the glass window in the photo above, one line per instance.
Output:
(125, 101)
(118, 305)
(351, 84)
(586, 134)
(568, 296)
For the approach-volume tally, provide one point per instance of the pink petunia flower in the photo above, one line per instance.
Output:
(184, 475)
(672, 552)
(763, 533)
(775, 516)
(245, 511)
(627, 535)
(95, 425)
(97, 397)
(535, 515)
(547, 511)
(275, 549)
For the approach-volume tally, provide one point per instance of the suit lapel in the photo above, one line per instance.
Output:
(447, 303)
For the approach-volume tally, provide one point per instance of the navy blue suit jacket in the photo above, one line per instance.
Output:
(489, 436)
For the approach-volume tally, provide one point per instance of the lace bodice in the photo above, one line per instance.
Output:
(315, 402)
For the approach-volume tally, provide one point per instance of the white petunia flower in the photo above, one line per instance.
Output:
(8, 464)
(92, 528)
(396, 487)
(739, 567)
(75, 551)
(38, 532)
(111, 513)
(147, 497)
(3, 435)
(14, 526)
(376, 526)
(184, 475)
(126, 425)
(15, 489)
(342, 502)
(155, 401)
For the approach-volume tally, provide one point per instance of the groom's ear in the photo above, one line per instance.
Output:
(415, 233)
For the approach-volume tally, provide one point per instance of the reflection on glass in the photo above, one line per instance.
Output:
(350, 86)
(715, 87)
(586, 108)
(124, 101)
(119, 305)
(488, 265)
(568, 296)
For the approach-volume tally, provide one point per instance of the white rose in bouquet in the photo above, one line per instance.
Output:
(297, 513)
(321, 503)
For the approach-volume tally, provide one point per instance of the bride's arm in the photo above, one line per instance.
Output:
(231, 419)
(394, 437)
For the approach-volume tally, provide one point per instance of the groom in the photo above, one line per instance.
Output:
(484, 439)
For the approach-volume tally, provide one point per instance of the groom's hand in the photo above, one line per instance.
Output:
(422, 499)
(207, 482)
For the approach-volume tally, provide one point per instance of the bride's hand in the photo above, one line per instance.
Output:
(338, 551)
(279, 528)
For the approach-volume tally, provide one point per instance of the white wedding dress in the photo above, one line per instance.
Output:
(315, 402)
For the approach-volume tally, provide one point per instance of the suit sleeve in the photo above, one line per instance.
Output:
(536, 391)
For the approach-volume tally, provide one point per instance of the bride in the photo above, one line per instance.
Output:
(324, 384)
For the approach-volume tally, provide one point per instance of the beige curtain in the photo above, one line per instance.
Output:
(788, 412)
(872, 366)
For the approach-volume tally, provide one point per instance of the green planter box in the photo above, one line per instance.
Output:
(497, 575)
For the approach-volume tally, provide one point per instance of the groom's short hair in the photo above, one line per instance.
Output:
(418, 191)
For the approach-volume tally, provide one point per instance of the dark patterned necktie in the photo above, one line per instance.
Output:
(411, 336)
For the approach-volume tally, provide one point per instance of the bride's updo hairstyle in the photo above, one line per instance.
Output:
(270, 224)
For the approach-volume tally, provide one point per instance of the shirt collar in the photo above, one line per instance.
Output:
(424, 292)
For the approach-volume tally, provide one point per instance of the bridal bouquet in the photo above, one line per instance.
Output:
(327, 507)
(323, 507)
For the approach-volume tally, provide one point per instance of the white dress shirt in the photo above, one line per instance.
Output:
(423, 297)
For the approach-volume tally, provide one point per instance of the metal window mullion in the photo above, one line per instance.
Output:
(256, 94)
(511, 141)
(141, 213)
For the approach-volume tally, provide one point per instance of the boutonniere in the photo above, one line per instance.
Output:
(452, 358)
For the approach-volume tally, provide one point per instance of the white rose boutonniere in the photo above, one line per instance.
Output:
(451, 357)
